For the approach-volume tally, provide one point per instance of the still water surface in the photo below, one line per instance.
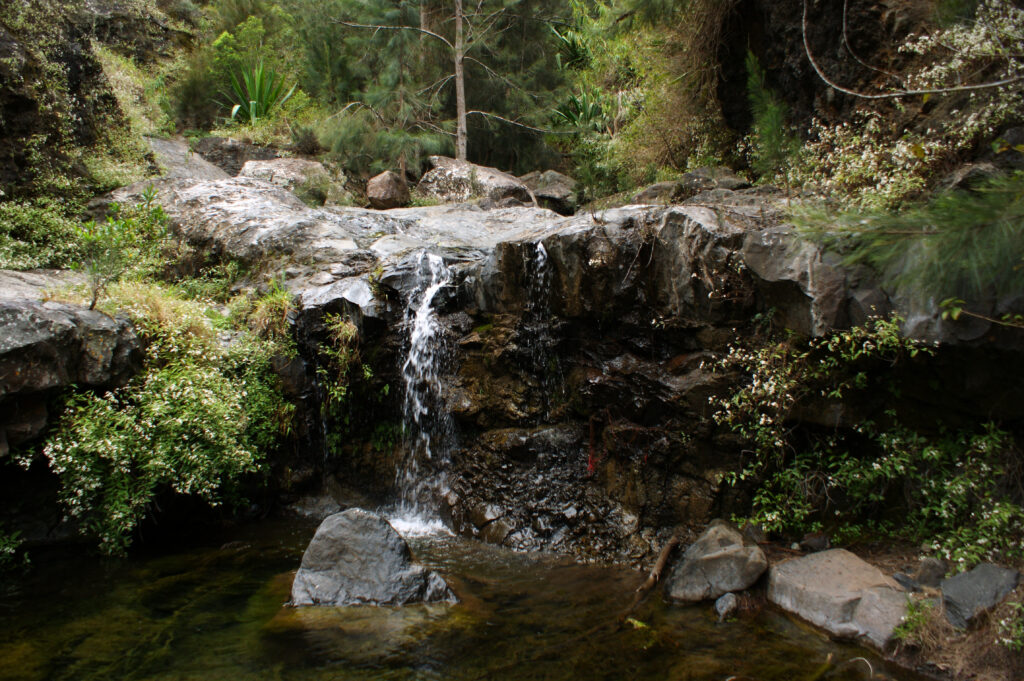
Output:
(217, 613)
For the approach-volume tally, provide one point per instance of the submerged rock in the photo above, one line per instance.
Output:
(969, 594)
(840, 593)
(717, 563)
(355, 558)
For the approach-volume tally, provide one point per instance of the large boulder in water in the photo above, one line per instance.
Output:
(355, 558)
(717, 563)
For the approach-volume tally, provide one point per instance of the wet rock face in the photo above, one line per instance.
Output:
(357, 558)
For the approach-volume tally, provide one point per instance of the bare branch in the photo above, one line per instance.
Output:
(500, 77)
(521, 125)
(901, 93)
(361, 105)
(377, 27)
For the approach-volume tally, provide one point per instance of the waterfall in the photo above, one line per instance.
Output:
(536, 329)
(426, 420)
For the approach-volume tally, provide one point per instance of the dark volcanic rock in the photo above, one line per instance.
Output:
(968, 594)
(553, 190)
(356, 557)
(46, 346)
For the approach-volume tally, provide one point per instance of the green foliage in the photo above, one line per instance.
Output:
(771, 144)
(11, 555)
(960, 244)
(1011, 628)
(270, 316)
(915, 621)
(37, 233)
(195, 422)
(257, 93)
(957, 490)
(127, 241)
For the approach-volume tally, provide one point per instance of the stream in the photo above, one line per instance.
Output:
(216, 611)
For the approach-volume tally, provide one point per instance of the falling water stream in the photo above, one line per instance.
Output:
(425, 419)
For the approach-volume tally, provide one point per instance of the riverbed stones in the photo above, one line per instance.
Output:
(726, 606)
(840, 593)
(968, 594)
(357, 558)
(717, 563)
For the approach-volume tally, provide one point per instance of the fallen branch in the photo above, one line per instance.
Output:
(653, 578)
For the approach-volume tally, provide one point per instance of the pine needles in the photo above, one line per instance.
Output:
(961, 244)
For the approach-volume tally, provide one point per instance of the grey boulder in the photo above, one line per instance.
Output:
(840, 593)
(968, 594)
(553, 190)
(717, 563)
(356, 558)
(451, 180)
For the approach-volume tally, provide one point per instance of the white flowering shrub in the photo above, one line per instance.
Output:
(195, 422)
(869, 164)
(1011, 628)
(955, 490)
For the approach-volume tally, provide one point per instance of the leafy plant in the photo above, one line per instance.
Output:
(127, 241)
(957, 490)
(257, 91)
(36, 234)
(1011, 628)
(195, 422)
(10, 548)
(915, 621)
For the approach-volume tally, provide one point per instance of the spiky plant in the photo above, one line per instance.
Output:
(257, 92)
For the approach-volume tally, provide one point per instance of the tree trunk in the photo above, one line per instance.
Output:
(460, 87)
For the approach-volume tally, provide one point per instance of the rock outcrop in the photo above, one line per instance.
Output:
(46, 346)
(840, 593)
(717, 563)
(357, 558)
(229, 154)
(287, 173)
(451, 181)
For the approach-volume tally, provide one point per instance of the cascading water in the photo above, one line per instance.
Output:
(428, 426)
(536, 327)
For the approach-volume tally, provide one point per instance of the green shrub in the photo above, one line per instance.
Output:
(196, 421)
(11, 555)
(257, 93)
(35, 234)
(953, 489)
(127, 241)
(1011, 628)
(772, 145)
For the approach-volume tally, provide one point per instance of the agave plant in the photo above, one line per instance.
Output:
(257, 92)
